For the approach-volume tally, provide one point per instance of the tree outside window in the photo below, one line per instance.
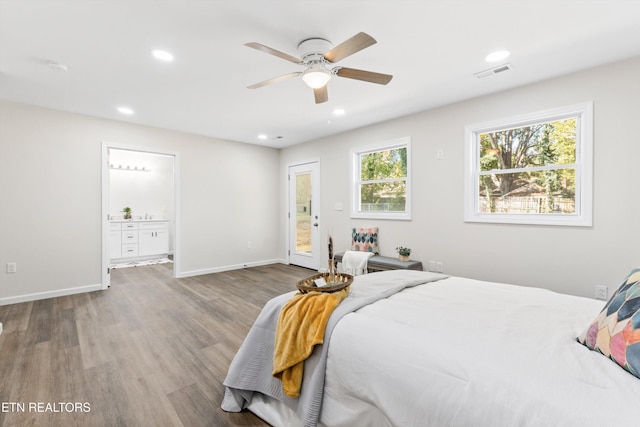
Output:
(544, 158)
(533, 169)
(381, 182)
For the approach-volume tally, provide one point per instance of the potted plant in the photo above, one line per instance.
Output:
(127, 212)
(403, 253)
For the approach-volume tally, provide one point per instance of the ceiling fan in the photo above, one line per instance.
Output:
(317, 54)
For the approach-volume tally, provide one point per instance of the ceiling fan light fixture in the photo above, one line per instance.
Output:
(317, 55)
(316, 77)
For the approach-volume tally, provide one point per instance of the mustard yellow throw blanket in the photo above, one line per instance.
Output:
(301, 326)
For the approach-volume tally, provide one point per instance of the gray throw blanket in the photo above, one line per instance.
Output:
(251, 368)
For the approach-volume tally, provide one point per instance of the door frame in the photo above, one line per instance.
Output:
(288, 205)
(104, 219)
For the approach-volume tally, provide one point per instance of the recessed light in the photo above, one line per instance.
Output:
(162, 55)
(125, 110)
(339, 111)
(57, 66)
(262, 136)
(498, 55)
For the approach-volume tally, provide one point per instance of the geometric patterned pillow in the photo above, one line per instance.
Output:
(365, 240)
(616, 331)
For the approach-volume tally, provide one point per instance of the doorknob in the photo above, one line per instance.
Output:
(315, 224)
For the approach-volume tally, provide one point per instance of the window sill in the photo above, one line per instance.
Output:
(549, 219)
(402, 216)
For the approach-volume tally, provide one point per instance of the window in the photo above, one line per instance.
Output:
(532, 169)
(382, 181)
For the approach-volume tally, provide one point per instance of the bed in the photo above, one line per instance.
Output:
(442, 351)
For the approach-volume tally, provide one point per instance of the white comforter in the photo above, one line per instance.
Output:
(250, 373)
(461, 352)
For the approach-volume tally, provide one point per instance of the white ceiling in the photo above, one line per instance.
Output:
(432, 48)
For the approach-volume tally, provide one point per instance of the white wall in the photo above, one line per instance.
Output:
(50, 199)
(565, 259)
(146, 193)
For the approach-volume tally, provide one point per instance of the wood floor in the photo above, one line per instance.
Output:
(149, 351)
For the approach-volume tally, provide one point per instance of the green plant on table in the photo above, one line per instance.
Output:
(402, 251)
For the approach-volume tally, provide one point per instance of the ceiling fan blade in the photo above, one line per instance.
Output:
(367, 76)
(321, 94)
(275, 80)
(272, 51)
(349, 47)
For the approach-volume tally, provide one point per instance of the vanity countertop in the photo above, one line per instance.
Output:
(138, 220)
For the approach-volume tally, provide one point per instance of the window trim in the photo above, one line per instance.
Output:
(355, 179)
(583, 217)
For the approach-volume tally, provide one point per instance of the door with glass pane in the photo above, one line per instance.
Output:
(304, 215)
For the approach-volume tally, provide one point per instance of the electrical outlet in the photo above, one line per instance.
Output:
(601, 292)
(12, 267)
(435, 266)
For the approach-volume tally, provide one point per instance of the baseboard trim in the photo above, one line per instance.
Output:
(90, 288)
(50, 294)
(228, 268)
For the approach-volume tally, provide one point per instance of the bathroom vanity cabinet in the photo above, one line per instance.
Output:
(138, 238)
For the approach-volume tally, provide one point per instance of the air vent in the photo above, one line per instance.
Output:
(492, 71)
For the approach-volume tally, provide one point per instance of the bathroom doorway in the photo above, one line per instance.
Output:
(139, 191)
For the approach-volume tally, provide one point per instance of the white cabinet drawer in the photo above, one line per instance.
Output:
(153, 225)
(129, 237)
(129, 226)
(115, 226)
(129, 250)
